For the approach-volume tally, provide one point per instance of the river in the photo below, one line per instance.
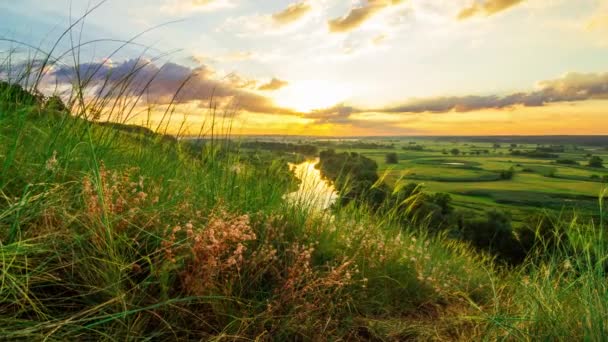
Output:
(313, 191)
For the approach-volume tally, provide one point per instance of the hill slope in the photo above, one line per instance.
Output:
(120, 234)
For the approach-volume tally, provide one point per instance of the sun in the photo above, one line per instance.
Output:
(309, 95)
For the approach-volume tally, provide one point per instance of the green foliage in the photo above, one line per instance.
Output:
(494, 234)
(307, 150)
(13, 94)
(115, 232)
(541, 154)
(507, 174)
(55, 103)
(542, 235)
(596, 162)
(413, 147)
(353, 175)
(391, 158)
(566, 162)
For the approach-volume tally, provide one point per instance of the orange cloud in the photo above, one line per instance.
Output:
(293, 12)
(487, 8)
(274, 84)
(359, 15)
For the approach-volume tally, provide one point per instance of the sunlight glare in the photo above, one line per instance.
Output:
(309, 95)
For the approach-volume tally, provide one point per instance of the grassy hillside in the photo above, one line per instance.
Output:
(118, 234)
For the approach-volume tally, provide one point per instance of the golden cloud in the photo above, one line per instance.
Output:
(274, 84)
(572, 87)
(292, 13)
(359, 15)
(487, 8)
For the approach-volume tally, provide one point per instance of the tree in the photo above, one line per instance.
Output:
(541, 233)
(566, 162)
(455, 151)
(494, 234)
(13, 93)
(353, 174)
(596, 161)
(55, 103)
(507, 174)
(391, 158)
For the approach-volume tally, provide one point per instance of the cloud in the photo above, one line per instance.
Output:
(338, 114)
(237, 56)
(598, 22)
(572, 87)
(274, 84)
(487, 8)
(280, 22)
(379, 39)
(234, 57)
(293, 12)
(184, 6)
(359, 15)
(358, 122)
(160, 84)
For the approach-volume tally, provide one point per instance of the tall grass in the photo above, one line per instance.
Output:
(120, 235)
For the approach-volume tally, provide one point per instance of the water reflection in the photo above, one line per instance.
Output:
(314, 191)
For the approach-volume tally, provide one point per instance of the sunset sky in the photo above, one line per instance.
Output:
(349, 67)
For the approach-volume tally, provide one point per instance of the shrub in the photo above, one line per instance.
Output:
(507, 174)
(566, 162)
(391, 158)
(494, 234)
(596, 162)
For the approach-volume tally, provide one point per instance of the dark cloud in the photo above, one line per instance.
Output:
(487, 8)
(358, 15)
(338, 114)
(292, 13)
(572, 87)
(342, 115)
(274, 84)
(161, 84)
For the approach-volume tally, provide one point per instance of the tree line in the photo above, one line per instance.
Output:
(356, 179)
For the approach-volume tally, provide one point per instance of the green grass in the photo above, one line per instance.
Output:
(107, 234)
(465, 176)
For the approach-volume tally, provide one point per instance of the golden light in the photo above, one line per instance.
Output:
(309, 95)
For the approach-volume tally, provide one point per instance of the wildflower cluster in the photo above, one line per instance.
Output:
(118, 197)
(52, 163)
(305, 290)
(212, 255)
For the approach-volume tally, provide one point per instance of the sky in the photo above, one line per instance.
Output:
(334, 67)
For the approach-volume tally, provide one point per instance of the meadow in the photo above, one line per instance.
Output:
(474, 181)
(114, 232)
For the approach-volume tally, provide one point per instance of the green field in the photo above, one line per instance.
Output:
(474, 180)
